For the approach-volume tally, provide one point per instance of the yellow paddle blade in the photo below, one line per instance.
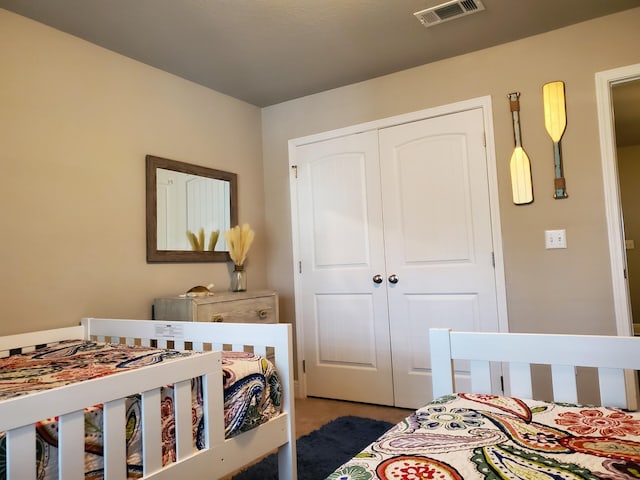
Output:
(555, 116)
(521, 177)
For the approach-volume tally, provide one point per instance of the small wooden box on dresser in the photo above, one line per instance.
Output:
(229, 307)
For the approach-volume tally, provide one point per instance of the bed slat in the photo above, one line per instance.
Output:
(520, 380)
(563, 379)
(71, 445)
(441, 362)
(480, 376)
(152, 431)
(114, 440)
(612, 387)
(20, 444)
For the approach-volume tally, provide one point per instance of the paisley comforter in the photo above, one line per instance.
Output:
(251, 396)
(491, 437)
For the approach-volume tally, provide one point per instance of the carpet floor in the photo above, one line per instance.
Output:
(322, 451)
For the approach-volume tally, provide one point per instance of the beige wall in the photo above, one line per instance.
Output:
(629, 172)
(76, 122)
(548, 290)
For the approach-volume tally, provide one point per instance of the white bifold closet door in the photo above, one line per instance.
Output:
(395, 237)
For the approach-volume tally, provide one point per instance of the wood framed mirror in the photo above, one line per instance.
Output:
(183, 198)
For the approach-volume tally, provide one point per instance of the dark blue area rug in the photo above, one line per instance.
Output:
(323, 450)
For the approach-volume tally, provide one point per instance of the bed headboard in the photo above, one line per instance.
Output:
(615, 358)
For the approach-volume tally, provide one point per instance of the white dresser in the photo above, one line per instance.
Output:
(232, 307)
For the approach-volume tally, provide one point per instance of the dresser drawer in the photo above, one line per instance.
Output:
(249, 310)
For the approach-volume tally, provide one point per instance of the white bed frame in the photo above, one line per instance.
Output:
(219, 458)
(613, 356)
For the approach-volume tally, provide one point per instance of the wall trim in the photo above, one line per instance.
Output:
(615, 229)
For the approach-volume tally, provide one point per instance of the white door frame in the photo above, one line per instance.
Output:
(483, 103)
(613, 209)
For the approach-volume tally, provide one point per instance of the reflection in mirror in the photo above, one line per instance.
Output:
(190, 203)
(189, 208)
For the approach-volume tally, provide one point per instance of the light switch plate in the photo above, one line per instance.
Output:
(555, 239)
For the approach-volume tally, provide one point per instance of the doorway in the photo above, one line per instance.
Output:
(610, 85)
(626, 106)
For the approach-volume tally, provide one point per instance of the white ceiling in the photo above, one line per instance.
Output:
(269, 51)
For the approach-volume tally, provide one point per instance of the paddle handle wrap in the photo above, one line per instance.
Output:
(514, 104)
(559, 183)
(561, 188)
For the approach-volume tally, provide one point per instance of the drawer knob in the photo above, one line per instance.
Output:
(263, 313)
(217, 318)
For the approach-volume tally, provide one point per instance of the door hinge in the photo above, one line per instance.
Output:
(304, 366)
(300, 266)
(493, 259)
(625, 273)
(484, 139)
(294, 168)
(502, 383)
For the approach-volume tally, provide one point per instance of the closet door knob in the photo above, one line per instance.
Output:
(393, 278)
(377, 278)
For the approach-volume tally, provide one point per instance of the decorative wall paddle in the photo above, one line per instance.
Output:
(555, 121)
(519, 165)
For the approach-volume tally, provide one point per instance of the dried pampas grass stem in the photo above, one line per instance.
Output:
(239, 240)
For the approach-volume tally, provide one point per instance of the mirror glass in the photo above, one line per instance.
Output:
(189, 207)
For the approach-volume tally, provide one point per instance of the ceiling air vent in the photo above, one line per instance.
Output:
(448, 11)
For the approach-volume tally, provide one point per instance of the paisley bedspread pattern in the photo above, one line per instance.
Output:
(492, 437)
(251, 388)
